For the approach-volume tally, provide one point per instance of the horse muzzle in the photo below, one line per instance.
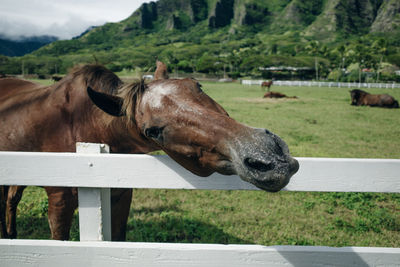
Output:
(262, 158)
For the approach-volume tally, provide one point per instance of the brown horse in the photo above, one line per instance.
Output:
(91, 104)
(277, 95)
(362, 98)
(266, 84)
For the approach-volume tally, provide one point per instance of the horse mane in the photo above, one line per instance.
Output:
(102, 79)
(98, 77)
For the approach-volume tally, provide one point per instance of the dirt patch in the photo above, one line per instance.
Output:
(262, 100)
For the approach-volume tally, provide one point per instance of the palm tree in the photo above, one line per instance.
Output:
(359, 50)
(314, 49)
(380, 47)
(342, 50)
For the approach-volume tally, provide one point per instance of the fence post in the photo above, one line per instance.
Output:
(94, 203)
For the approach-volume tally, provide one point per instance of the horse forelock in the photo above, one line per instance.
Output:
(130, 93)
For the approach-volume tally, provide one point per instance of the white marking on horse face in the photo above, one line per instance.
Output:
(154, 95)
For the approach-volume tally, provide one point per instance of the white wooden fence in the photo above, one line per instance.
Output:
(94, 174)
(325, 84)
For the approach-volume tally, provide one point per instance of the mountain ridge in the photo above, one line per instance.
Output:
(19, 46)
(347, 14)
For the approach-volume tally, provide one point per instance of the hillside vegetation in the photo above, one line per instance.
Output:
(238, 38)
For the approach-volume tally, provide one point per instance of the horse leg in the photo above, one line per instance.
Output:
(120, 206)
(62, 203)
(3, 203)
(14, 196)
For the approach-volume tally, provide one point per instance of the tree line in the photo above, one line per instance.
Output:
(362, 59)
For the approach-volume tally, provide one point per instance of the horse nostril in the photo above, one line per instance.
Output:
(153, 132)
(258, 165)
(294, 167)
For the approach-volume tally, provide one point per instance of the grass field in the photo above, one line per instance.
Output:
(320, 123)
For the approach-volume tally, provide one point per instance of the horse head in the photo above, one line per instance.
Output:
(179, 118)
(356, 96)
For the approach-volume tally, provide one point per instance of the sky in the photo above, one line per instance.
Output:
(61, 18)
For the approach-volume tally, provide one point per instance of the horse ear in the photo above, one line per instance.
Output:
(108, 103)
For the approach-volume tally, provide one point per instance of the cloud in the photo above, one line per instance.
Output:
(64, 19)
(73, 26)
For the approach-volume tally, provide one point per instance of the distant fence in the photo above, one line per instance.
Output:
(94, 174)
(325, 84)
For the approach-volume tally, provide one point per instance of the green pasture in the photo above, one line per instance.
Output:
(320, 123)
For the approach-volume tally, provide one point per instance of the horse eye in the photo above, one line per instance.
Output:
(154, 132)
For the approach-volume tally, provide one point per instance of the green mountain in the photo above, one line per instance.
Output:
(23, 45)
(241, 37)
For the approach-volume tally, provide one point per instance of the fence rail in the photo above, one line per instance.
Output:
(144, 171)
(94, 174)
(325, 84)
(41, 253)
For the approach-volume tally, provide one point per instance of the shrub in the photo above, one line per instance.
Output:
(335, 75)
